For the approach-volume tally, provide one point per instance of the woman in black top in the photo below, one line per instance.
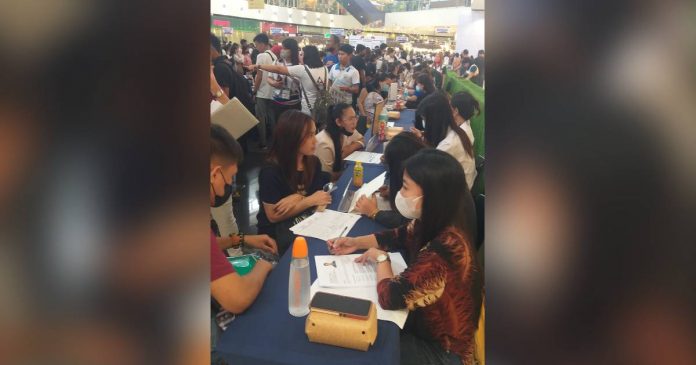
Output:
(399, 149)
(290, 185)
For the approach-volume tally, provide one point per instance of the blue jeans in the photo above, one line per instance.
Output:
(416, 351)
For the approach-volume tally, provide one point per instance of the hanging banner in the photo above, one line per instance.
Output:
(256, 4)
(227, 30)
(337, 31)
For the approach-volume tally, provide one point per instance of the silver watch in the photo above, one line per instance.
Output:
(382, 258)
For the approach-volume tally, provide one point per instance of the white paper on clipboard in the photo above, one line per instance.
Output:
(234, 117)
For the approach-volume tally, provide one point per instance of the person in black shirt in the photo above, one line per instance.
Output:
(359, 63)
(291, 182)
(232, 83)
(480, 62)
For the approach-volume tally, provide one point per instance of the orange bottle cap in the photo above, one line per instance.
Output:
(299, 247)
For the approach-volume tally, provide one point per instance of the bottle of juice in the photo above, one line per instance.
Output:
(382, 129)
(358, 174)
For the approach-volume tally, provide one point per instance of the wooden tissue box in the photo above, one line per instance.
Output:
(330, 329)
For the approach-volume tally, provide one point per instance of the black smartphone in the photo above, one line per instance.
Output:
(341, 305)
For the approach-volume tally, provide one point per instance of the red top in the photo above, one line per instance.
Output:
(442, 286)
(219, 266)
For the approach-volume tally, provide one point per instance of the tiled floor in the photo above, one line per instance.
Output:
(247, 206)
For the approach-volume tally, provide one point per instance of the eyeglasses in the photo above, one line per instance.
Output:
(354, 117)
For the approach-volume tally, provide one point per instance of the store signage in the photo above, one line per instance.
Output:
(221, 23)
(337, 31)
(276, 30)
(256, 4)
(327, 35)
(227, 30)
(401, 38)
(441, 29)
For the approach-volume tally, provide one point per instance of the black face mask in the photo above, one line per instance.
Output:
(329, 49)
(346, 133)
(220, 200)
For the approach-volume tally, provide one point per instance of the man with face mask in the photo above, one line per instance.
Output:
(232, 292)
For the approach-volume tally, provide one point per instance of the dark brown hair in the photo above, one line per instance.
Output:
(292, 130)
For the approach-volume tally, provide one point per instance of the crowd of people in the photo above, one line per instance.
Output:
(313, 107)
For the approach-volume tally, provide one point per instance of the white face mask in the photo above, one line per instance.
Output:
(407, 206)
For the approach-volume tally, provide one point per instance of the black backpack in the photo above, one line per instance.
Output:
(323, 102)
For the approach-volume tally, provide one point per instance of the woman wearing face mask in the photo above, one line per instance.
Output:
(424, 87)
(442, 132)
(286, 95)
(338, 140)
(442, 286)
(291, 182)
(398, 150)
(375, 92)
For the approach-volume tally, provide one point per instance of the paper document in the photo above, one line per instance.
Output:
(368, 189)
(326, 225)
(364, 157)
(342, 271)
(214, 105)
(234, 117)
(368, 293)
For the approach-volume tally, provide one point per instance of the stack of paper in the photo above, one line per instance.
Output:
(326, 225)
(343, 276)
(364, 157)
(368, 189)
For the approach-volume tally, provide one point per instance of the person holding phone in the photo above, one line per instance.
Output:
(442, 285)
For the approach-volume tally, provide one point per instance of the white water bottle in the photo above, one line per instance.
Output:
(298, 286)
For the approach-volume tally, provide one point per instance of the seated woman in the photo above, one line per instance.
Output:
(424, 87)
(338, 140)
(443, 133)
(442, 286)
(465, 107)
(375, 92)
(399, 149)
(290, 185)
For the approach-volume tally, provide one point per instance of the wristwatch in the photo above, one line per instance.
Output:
(218, 94)
(383, 258)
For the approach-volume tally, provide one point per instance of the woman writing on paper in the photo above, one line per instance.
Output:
(442, 286)
(338, 140)
(399, 149)
(290, 184)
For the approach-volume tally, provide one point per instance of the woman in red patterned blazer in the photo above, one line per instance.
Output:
(442, 286)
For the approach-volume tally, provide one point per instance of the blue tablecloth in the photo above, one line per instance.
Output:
(406, 121)
(267, 334)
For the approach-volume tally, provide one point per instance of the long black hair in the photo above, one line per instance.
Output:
(295, 127)
(311, 57)
(427, 81)
(291, 44)
(335, 132)
(437, 112)
(445, 200)
(399, 149)
(466, 105)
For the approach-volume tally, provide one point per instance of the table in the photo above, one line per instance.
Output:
(267, 334)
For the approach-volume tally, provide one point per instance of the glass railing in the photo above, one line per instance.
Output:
(319, 6)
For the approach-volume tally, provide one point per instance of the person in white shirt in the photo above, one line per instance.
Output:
(338, 140)
(344, 79)
(443, 133)
(312, 66)
(465, 107)
(264, 91)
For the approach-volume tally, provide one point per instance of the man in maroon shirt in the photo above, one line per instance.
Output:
(233, 292)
